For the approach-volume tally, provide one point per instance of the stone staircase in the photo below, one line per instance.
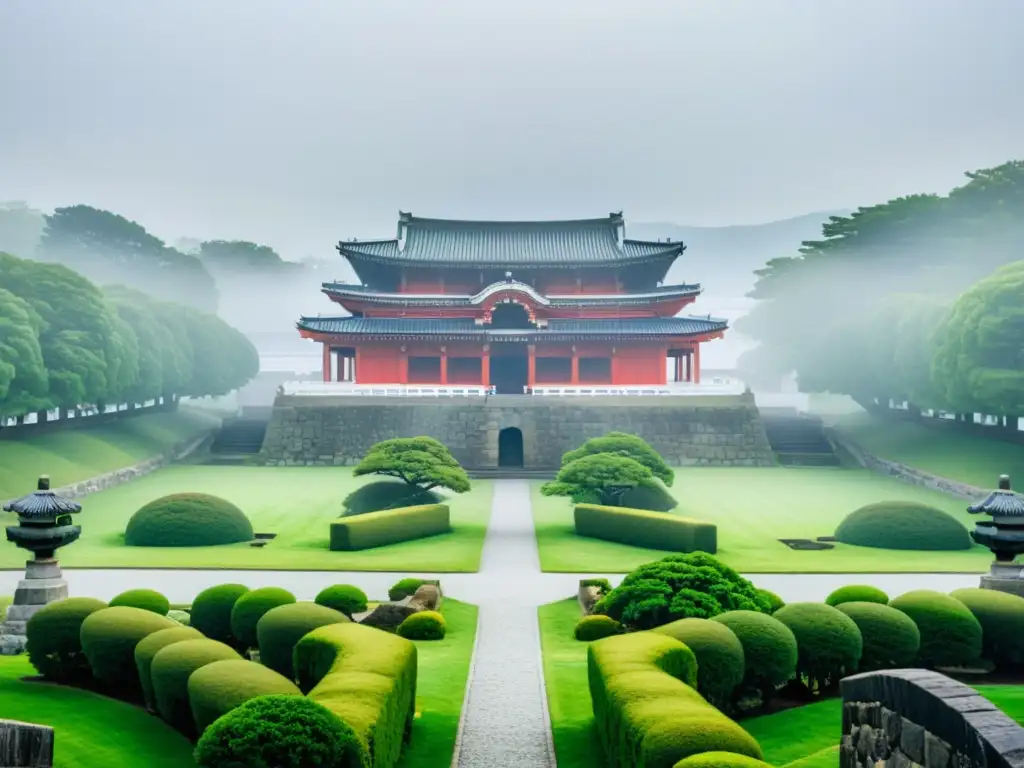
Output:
(511, 473)
(798, 439)
(238, 440)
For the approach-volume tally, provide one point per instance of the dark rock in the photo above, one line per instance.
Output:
(864, 740)
(892, 723)
(389, 615)
(936, 752)
(898, 760)
(912, 741)
(25, 745)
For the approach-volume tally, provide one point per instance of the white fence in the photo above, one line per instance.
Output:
(343, 389)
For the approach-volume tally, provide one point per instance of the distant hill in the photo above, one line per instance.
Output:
(723, 259)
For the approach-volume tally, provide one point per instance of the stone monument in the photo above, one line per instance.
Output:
(44, 525)
(1004, 535)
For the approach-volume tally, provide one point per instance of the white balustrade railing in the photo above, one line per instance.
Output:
(348, 389)
(668, 390)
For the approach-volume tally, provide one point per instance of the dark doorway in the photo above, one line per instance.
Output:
(509, 369)
(510, 315)
(510, 447)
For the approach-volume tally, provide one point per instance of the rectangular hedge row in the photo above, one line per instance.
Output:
(389, 526)
(640, 528)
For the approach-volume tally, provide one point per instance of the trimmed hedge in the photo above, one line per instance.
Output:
(857, 593)
(283, 732)
(377, 529)
(367, 678)
(904, 525)
(774, 601)
(597, 627)
(280, 628)
(1001, 616)
(720, 661)
(170, 671)
(891, 638)
(402, 588)
(249, 609)
(148, 647)
(146, 599)
(423, 625)
(828, 642)
(769, 648)
(188, 520)
(219, 687)
(645, 709)
(641, 528)
(54, 636)
(211, 611)
(182, 617)
(652, 498)
(109, 637)
(387, 494)
(950, 635)
(720, 760)
(343, 597)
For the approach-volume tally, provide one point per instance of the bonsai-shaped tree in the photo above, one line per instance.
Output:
(419, 461)
(601, 478)
(623, 444)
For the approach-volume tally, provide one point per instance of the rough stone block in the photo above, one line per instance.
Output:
(937, 752)
(912, 741)
(25, 745)
(892, 723)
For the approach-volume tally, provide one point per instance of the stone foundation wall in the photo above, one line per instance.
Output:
(713, 431)
(913, 717)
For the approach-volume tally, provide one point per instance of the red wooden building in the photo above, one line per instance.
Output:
(511, 305)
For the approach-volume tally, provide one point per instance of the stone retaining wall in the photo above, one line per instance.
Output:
(914, 717)
(720, 431)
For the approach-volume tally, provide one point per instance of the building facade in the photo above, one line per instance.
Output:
(514, 307)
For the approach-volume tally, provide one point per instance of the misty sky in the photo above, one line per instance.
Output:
(298, 123)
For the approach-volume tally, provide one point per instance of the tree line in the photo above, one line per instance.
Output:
(66, 343)
(917, 300)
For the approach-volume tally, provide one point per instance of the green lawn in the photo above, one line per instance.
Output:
(753, 508)
(72, 454)
(441, 689)
(945, 452)
(90, 730)
(296, 503)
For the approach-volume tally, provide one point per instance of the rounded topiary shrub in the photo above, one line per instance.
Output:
(402, 588)
(591, 628)
(387, 494)
(170, 670)
(343, 597)
(903, 525)
(828, 642)
(950, 635)
(423, 625)
(890, 638)
(720, 661)
(188, 520)
(211, 611)
(720, 760)
(653, 498)
(182, 617)
(249, 609)
(857, 593)
(146, 599)
(280, 731)
(769, 648)
(54, 636)
(109, 637)
(774, 603)
(280, 628)
(705, 730)
(149, 646)
(219, 687)
(1001, 616)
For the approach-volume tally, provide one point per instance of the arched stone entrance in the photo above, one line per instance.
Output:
(510, 447)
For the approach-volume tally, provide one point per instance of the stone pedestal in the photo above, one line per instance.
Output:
(25, 745)
(1005, 577)
(43, 583)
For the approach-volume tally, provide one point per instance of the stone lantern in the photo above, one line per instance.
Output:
(44, 525)
(1004, 535)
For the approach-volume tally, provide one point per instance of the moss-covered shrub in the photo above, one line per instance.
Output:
(211, 611)
(387, 494)
(891, 639)
(774, 601)
(172, 665)
(1001, 616)
(424, 625)
(217, 688)
(720, 760)
(187, 520)
(249, 609)
(652, 498)
(828, 642)
(591, 628)
(182, 617)
(769, 649)
(950, 635)
(857, 593)
(149, 646)
(402, 588)
(280, 731)
(146, 599)
(109, 637)
(720, 661)
(903, 525)
(54, 636)
(343, 597)
(280, 628)
(389, 526)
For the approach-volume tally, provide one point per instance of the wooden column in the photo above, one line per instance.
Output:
(531, 365)
(696, 363)
(444, 365)
(403, 367)
(485, 366)
(575, 376)
(326, 362)
(679, 366)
